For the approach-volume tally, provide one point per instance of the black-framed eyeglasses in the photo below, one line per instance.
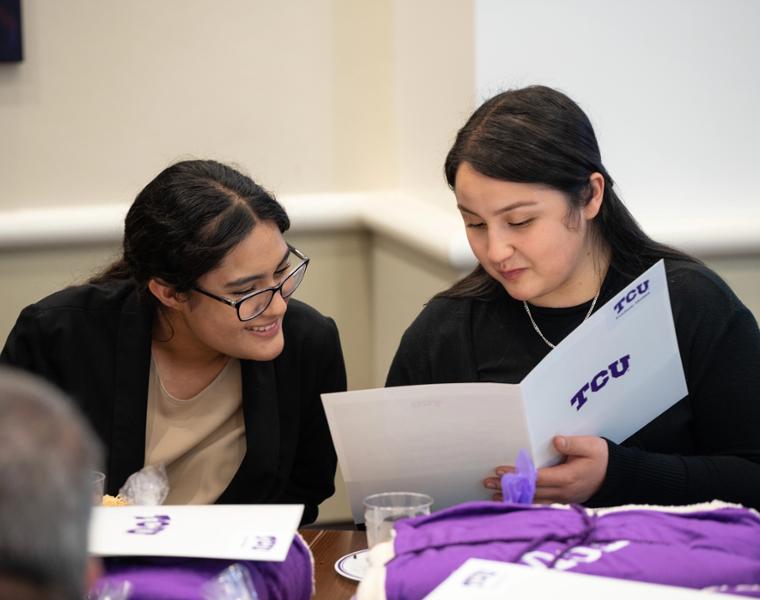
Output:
(252, 305)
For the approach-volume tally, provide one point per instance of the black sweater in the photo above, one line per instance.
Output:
(94, 341)
(706, 446)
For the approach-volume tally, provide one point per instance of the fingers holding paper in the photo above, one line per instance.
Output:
(494, 483)
(581, 474)
(574, 480)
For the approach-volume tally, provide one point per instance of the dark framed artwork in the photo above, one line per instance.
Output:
(10, 31)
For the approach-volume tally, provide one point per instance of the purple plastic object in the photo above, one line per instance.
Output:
(520, 487)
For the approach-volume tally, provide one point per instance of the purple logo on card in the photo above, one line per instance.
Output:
(479, 579)
(150, 525)
(598, 381)
(263, 542)
(631, 297)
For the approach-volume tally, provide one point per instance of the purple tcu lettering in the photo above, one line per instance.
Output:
(572, 557)
(631, 295)
(599, 380)
(616, 369)
(150, 525)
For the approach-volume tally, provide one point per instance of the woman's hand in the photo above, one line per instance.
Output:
(575, 480)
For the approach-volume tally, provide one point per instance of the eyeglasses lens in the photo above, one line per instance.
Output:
(291, 284)
(255, 305)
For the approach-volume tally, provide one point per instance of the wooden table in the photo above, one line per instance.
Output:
(327, 546)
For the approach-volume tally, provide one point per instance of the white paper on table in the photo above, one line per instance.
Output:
(479, 579)
(237, 532)
(444, 439)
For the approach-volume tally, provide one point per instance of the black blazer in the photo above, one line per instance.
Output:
(94, 340)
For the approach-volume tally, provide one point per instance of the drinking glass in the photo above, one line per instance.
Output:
(381, 511)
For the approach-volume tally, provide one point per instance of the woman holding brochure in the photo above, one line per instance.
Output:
(553, 242)
(190, 352)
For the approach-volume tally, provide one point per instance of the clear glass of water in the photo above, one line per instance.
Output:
(381, 511)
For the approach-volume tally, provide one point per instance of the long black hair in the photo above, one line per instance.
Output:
(184, 222)
(539, 135)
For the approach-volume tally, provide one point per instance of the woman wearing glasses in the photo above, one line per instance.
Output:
(190, 352)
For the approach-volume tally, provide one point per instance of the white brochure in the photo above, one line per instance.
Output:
(479, 579)
(237, 532)
(611, 376)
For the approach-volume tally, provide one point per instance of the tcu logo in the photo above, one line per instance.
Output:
(572, 558)
(632, 294)
(616, 369)
(263, 542)
(479, 579)
(150, 525)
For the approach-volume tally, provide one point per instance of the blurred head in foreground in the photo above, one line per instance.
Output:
(47, 457)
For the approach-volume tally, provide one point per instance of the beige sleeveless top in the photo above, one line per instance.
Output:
(201, 440)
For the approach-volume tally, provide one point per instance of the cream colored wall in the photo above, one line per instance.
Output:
(364, 134)
(305, 95)
(403, 280)
(27, 275)
(298, 93)
(434, 78)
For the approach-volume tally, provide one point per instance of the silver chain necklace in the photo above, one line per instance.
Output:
(538, 331)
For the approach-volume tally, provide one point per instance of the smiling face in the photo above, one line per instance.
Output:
(260, 260)
(526, 238)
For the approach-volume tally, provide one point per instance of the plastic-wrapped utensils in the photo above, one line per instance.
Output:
(111, 591)
(234, 583)
(149, 486)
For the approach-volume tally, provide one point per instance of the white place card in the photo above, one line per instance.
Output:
(238, 532)
(479, 579)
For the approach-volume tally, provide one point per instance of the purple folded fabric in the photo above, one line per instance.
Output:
(710, 548)
(163, 578)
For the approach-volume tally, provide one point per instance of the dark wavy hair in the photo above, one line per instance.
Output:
(184, 222)
(539, 135)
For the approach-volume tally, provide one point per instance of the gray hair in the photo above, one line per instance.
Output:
(47, 456)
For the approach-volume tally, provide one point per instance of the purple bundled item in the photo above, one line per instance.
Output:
(163, 578)
(703, 546)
